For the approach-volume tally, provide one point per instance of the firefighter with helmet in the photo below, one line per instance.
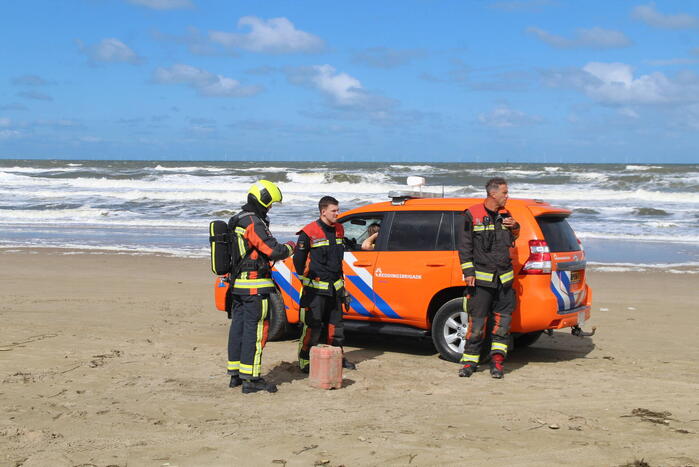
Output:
(251, 284)
(484, 250)
(318, 262)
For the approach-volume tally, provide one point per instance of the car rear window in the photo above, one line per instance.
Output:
(558, 234)
(421, 231)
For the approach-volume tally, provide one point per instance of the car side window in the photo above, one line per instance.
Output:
(421, 231)
(362, 232)
(445, 237)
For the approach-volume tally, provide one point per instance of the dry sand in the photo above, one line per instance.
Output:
(119, 360)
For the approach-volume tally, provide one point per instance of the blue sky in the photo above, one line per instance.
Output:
(510, 80)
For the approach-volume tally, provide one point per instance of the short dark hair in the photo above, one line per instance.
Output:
(326, 201)
(494, 183)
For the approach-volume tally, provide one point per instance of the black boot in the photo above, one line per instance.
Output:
(467, 370)
(256, 385)
(346, 364)
(235, 381)
(497, 370)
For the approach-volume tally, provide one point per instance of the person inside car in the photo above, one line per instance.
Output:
(369, 243)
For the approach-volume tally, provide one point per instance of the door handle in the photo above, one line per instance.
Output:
(360, 264)
(435, 265)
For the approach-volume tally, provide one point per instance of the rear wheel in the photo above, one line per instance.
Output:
(278, 324)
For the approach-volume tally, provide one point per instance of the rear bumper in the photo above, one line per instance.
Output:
(569, 318)
(538, 307)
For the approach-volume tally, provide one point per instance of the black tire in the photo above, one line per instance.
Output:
(449, 336)
(527, 339)
(449, 327)
(278, 324)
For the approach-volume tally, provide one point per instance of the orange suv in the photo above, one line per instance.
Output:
(411, 282)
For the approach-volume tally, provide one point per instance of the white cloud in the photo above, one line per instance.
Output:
(5, 122)
(505, 117)
(347, 99)
(274, 36)
(163, 4)
(594, 38)
(652, 17)
(341, 87)
(206, 83)
(110, 50)
(615, 84)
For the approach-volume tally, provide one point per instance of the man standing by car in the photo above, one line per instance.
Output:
(484, 250)
(252, 283)
(318, 262)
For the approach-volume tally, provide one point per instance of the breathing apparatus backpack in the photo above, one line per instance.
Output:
(225, 259)
(221, 243)
(225, 256)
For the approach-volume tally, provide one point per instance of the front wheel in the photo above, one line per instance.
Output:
(449, 328)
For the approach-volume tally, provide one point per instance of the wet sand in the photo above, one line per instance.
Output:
(110, 359)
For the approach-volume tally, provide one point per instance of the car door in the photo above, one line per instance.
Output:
(417, 262)
(358, 265)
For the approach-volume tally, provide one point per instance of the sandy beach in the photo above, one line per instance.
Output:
(116, 360)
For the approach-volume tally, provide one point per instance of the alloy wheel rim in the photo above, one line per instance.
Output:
(454, 331)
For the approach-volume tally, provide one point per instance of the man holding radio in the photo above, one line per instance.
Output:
(484, 250)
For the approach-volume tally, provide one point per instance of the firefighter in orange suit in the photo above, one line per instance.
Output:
(251, 284)
(484, 250)
(318, 263)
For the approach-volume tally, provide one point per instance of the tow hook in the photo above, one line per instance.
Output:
(577, 331)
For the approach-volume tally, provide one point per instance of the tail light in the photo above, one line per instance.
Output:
(581, 245)
(539, 261)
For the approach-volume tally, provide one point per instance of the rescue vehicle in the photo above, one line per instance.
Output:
(411, 283)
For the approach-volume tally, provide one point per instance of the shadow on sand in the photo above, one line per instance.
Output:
(374, 345)
(287, 372)
(559, 347)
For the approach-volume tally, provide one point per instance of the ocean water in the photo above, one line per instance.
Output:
(628, 216)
